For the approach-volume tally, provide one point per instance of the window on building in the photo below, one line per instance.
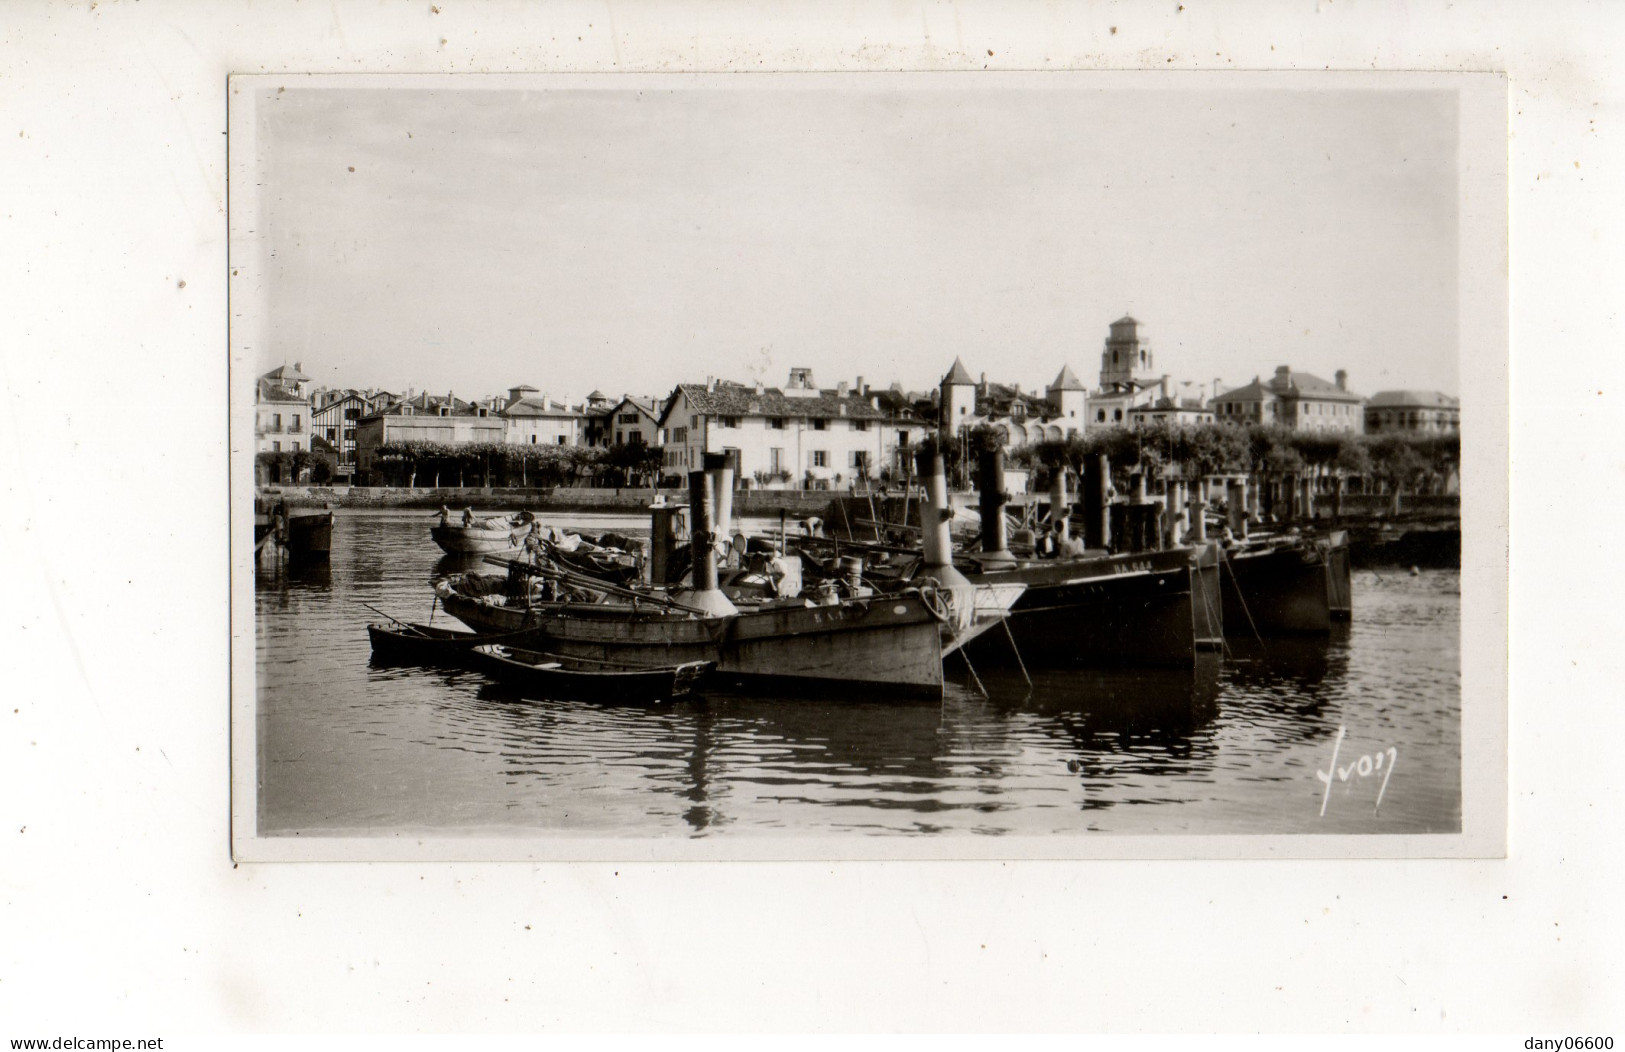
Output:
(679, 434)
(295, 425)
(276, 422)
(775, 460)
(860, 425)
(629, 418)
(819, 424)
(776, 423)
(332, 434)
(902, 438)
(294, 444)
(820, 458)
(561, 440)
(1117, 414)
(349, 434)
(727, 421)
(533, 440)
(694, 420)
(445, 410)
(860, 460)
(276, 447)
(352, 413)
(1100, 415)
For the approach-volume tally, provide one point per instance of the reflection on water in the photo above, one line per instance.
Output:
(348, 746)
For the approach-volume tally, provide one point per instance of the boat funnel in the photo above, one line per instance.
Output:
(1096, 479)
(991, 499)
(1060, 512)
(937, 546)
(704, 595)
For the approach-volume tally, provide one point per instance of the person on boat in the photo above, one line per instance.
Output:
(533, 542)
(445, 515)
(468, 515)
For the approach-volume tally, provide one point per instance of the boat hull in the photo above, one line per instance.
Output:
(1150, 609)
(553, 676)
(889, 644)
(307, 536)
(1284, 587)
(469, 540)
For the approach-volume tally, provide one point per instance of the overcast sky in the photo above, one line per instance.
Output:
(623, 239)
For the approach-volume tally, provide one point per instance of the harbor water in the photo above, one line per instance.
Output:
(1243, 743)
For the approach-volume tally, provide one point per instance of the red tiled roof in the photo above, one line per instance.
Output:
(1412, 400)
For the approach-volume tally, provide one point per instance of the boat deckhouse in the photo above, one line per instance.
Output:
(798, 434)
(1424, 411)
(1298, 401)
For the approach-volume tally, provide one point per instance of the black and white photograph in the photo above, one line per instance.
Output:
(827, 460)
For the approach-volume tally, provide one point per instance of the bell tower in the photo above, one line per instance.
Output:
(1126, 359)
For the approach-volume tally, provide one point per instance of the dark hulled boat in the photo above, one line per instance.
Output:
(559, 676)
(1154, 608)
(1287, 584)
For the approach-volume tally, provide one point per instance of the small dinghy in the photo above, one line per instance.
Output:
(587, 679)
(426, 645)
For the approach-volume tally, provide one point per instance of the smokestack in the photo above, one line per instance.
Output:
(704, 595)
(934, 516)
(992, 499)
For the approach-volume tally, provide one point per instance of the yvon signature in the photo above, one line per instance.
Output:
(1368, 766)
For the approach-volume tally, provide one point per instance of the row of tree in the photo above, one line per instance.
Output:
(502, 464)
(1409, 462)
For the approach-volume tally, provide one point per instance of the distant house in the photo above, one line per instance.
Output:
(597, 425)
(1425, 411)
(534, 419)
(1298, 401)
(797, 433)
(635, 422)
(334, 416)
(1170, 412)
(423, 418)
(282, 411)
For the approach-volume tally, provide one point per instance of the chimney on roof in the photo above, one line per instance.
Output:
(298, 367)
(1342, 379)
(710, 384)
(841, 389)
(861, 387)
(758, 386)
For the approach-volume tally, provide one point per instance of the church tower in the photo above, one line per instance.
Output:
(1127, 358)
(958, 400)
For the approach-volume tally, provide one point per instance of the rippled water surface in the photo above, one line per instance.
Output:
(350, 747)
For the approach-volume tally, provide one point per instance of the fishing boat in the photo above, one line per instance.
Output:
(1154, 609)
(497, 533)
(561, 676)
(890, 643)
(426, 644)
(857, 641)
(1283, 584)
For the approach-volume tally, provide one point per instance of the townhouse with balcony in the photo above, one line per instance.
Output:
(282, 411)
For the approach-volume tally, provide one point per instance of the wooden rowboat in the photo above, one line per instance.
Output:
(577, 678)
(428, 645)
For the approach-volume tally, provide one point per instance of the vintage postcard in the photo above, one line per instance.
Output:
(855, 466)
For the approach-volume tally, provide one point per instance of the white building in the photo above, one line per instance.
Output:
(282, 411)
(795, 435)
(635, 422)
(531, 418)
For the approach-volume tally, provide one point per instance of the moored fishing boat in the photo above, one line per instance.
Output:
(1288, 583)
(427, 644)
(497, 534)
(560, 676)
